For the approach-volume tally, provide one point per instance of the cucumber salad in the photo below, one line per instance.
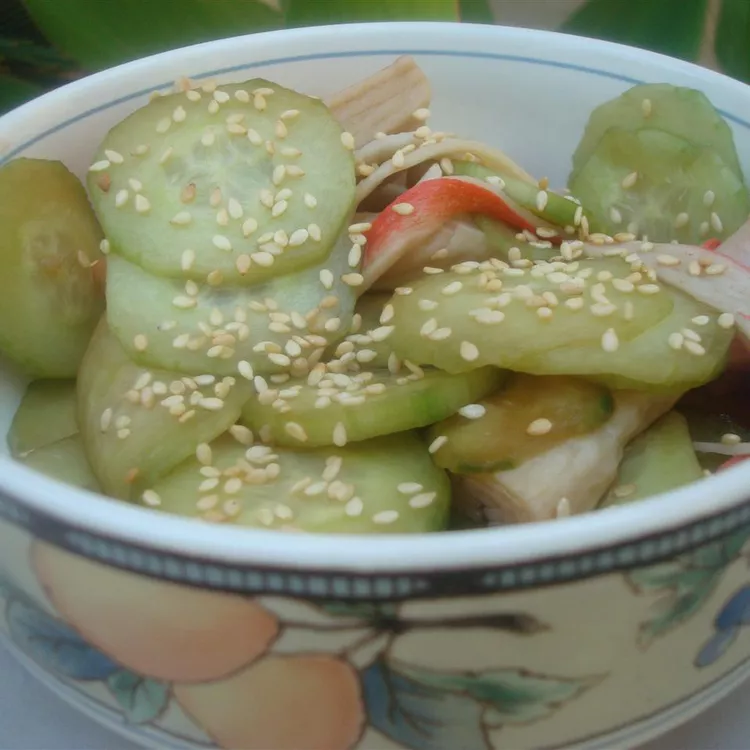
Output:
(282, 312)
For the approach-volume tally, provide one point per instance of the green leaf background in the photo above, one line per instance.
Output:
(44, 43)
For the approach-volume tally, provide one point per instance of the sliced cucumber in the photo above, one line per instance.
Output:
(134, 421)
(649, 361)
(528, 417)
(64, 460)
(386, 485)
(211, 174)
(660, 459)
(47, 413)
(344, 408)
(681, 191)
(490, 315)
(556, 209)
(294, 316)
(686, 113)
(50, 299)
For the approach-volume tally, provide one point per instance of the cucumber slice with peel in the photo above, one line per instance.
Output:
(660, 459)
(50, 294)
(137, 424)
(343, 408)
(64, 460)
(249, 181)
(546, 204)
(680, 111)
(489, 314)
(651, 361)
(528, 417)
(46, 414)
(386, 485)
(654, 184)
(204, 329)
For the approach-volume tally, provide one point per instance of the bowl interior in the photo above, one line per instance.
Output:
(527, 92)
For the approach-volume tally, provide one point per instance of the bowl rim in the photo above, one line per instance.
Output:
(77, 509)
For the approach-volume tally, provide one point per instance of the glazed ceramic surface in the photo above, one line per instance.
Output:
(594, 632)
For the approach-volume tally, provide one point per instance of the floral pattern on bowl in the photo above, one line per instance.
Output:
(357, 675)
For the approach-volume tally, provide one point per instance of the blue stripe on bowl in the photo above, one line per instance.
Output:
(338, 56)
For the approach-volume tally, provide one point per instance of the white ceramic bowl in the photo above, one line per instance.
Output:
(593, 632)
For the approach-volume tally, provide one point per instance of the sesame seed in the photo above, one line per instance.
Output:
(315, 232)
(184, 303)
(105, 420)
(142, 204)
(646, 107)
(472, 411)
(326, 278)
(544, 313)
(310, 200)
(648, 288)
(694, 348)
(716, 222)
(453, 288)
(123, 434)
(708, 198)
(629, 180)
(615, 215)
(681, 220)
(726, 320)
(353, 279)
(298, 237)
(715, 269)
(296, 431)
(140, 343)
(409, 488)
(730, 438)
(279, 209)
(469, 351)
(541, 200)
(220, 242)
(676, 340)
(690, 334)
(398, 160)
(121, 198)
(423, 500)
(347, 141)
(422, 114)
(624, 490)
(610, 342)
(294, 171)
(437, 444)
(211, 404)
(249, 226)
(385, 517)
(539, 427)
(339, 435)
(151, 498)
(403, 209)
(354, 507)
(667, 260)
